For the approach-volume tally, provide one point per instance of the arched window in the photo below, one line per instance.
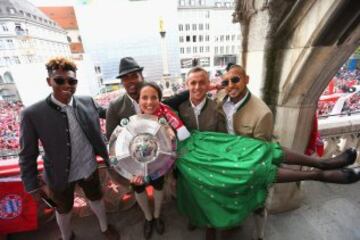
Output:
(8, 77)
(69, 39)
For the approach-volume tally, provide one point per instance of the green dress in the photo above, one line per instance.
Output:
(223, 178)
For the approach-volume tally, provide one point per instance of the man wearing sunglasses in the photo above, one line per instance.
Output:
(68, 128)
(246, 115)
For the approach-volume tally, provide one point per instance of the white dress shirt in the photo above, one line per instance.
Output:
(136, 105)
(197, 110)
(230, 109)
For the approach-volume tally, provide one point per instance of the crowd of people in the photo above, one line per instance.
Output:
(9, 127)
(343, 83)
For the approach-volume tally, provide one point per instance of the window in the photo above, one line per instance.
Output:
(194, 27)
(187, 38)
(4, 27)
(207, 38)
(216, 50)
(7, 60)
(207, 26)
(79, 38)
(10, 43)
(22, 12)
(216, 39)
(221, 50)
(16, 60)
(181, 27)
(2, 44)
(201, 38)
(194, 49)
(181, 39)
(192, 2)
(218, 4)
(227, 37)
(68, 39)
(201, 49)
(8, 77)
(201, 26)
(232, 49)
(1, 63)
(11, 10)
(187, 27)
(28, 14)
(221, 38)
(207, 49)
(182, 3)
(194, 38)
(207, 13)
(188, 50)
(233, 37)
(182, 50)
(227, 49)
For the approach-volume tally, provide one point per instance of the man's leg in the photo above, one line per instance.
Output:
(64, 201)
(92, 189)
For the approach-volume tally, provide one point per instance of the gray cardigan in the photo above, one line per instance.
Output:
(45, 122)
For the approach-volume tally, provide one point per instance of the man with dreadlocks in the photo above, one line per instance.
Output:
(68, 128)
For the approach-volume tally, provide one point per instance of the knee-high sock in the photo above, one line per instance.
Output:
(98, 207)
(143, 202)
(64, 222)
(158, 199)
(260, 221)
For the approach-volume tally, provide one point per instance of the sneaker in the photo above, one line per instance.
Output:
(111, 233)
(148, 229)
(159, 225)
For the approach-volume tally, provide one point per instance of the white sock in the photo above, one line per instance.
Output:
(158, 199)
(98, 208)
(64, 223)
(143, 202)
(260, 221)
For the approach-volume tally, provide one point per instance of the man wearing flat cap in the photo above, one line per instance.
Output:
(126, 104)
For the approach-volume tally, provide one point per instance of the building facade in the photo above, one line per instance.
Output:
(207, 36)
(27, 36)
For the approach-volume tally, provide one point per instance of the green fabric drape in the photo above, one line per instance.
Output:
(223, 178)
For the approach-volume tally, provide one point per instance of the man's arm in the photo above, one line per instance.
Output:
(175, 101)
(264, 127)
(29, 151)
(111, 120)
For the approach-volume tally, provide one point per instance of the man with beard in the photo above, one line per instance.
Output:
(246, 115)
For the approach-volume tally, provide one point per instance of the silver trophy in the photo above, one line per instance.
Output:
(142, 146)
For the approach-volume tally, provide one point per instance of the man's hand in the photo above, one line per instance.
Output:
(37, 194)
(137, 180)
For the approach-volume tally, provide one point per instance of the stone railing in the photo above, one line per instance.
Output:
(339, 133)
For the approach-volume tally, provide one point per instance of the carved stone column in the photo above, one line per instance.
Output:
(291, 49)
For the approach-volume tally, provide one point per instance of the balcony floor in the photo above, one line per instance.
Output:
(329, 212)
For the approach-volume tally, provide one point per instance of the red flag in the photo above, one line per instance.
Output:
(18, 210)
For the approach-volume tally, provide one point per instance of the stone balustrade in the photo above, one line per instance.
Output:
(340, 133)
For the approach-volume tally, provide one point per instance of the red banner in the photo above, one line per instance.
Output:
(18, 210)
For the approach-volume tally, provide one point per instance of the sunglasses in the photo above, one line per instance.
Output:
(233, 80)
(61, 81)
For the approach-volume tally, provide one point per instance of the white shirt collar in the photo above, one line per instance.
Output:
(198, 107)
(239, 103)
(60, 104)
(135, 104)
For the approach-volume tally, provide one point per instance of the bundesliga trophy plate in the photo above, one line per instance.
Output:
(141, 147)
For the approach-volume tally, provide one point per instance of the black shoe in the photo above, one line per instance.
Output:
(159, 225)
(346, 158)
(148, 229)
(352, 174)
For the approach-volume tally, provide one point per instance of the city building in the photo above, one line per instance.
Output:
(207, 36)
(27, 36)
